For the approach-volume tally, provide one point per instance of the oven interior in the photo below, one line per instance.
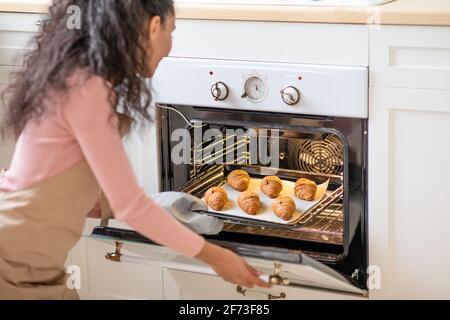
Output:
(212, 148)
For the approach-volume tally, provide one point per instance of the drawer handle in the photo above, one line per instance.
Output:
(244, 292)
(281, 296)
(38, 22)
(115, 256)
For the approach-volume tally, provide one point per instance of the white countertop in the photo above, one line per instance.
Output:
(26, 6)
(399, 12)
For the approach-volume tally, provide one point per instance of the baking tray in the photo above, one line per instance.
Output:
(232, 209)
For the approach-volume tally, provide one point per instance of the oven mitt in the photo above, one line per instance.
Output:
(181, 206)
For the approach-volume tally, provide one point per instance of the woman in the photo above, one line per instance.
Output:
(64, 109)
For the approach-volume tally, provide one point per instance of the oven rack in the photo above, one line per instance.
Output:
(325, 227)
(212, 152)
(216, 177)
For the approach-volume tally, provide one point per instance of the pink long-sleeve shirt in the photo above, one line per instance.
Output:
(84, 126)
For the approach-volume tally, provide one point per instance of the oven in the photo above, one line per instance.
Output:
(273, 119)
(292, 121)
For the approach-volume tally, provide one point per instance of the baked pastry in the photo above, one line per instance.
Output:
(249, 202)
(271, 186)
(239, 180)
(305, 189)
(284, 208)
(216, 198)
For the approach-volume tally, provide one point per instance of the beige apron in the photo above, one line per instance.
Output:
(38, 227)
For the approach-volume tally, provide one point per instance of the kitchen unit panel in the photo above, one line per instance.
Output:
(410, 57)
(16, 31)
(77, 262)
(195, 286)
(121, 280)
(27, 22)
(6, 145)
(141, 145)
(408, 188)
(272, 42)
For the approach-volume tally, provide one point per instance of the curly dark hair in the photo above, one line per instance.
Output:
(108, 43)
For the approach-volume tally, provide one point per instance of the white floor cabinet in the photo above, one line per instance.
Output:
(6, 145)
(409, 130)
(16, 30)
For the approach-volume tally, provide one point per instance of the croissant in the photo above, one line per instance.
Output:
(271, 186)
(216, 198)
(284, 207)
(305, 189)
(249, 202)
(239, 180)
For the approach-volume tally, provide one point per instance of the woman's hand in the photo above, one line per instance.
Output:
(231, 267)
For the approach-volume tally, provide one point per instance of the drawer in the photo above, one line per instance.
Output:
(333, 44)
(125, 280)
(183, 285)
(5, 75)
(16, 33)
(410, 57)
(27, 22)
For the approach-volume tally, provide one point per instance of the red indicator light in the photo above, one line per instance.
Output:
(300, 78)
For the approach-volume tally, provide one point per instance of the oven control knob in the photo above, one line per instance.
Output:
(219, 91)
(291, 96)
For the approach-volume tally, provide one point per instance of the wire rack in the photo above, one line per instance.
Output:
(323, 223)
(324, 227)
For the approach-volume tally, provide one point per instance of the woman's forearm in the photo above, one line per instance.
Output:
(209, 253)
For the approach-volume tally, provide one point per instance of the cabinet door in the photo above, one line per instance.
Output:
(410, 57)
(409, 213)
(119, 280)
(142, 148)
(16, 31)
(183, 285)
(7, 145)
(328, 44)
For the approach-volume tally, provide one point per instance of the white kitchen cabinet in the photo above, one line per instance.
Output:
(77, 259)
(106, 279)
(410, 57)
(137, 276)
(315, 43)
(7, 144)
(409, 131)
(16, 31)
(141, 145)
(184, 285)
(408, 192)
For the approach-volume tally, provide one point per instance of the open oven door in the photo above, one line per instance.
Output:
(279, 266)
(293, 268)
